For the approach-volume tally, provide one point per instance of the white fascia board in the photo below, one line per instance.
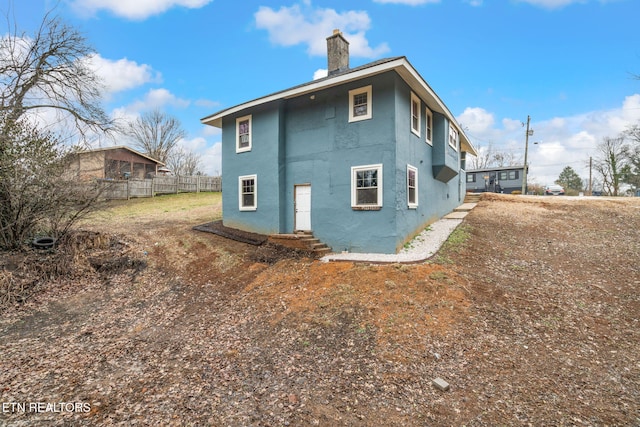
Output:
(424, 91)
(401, 65)
(320, 84)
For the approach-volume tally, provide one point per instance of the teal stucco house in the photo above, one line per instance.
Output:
(365, 158)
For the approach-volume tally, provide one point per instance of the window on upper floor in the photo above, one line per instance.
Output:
(360, 104)
(248, 192)
(429, 126)
(412, 187)
(243, 134)
(415, 114)
(366, 187)
(453, 137)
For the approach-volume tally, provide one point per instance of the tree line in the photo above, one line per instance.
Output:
(614, 167)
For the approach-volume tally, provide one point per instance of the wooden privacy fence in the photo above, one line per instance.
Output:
(130, 188)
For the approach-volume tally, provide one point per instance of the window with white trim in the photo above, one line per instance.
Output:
(412, 187)
(243, 134)
(360, 104)
(429, 126)
(248, 192)
(471, 177)
(453, 137)
(415, 114)
(366, 187)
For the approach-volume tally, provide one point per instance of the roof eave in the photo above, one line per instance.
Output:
(118, 147)
(399, 64)
(314, 86)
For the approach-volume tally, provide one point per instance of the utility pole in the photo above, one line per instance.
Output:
(526, 150)
(590, 182)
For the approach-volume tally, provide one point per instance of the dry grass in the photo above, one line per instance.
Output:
(530, 314)
(196, 207)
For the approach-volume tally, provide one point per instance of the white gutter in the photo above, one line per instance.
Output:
(401, 65)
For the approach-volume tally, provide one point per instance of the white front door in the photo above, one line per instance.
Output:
(303, 207)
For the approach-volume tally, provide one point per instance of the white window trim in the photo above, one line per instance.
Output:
(453, 132)
(354, 199)
(429, 119)
(414, 98)
(413, 205)
(255, 193)
(352, 94)
(247, 148)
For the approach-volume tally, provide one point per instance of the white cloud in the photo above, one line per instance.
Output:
(134, 9)
(157, 98)
(555, 143)
(154, 99)
(122, 74)
(211, 159)
(211, 131)
(320, 73)
(290, 26)
(206, 103)
(407, 2)
(552, 4)
(476, 120)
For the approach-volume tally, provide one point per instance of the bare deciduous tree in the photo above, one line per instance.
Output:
(50, 71)
(632, 169)
(610, 163)
(46, 72)
(488, 157)
(184, 162)
(156, 134)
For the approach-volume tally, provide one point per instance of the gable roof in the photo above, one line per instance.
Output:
(399, 64)
(121, 147)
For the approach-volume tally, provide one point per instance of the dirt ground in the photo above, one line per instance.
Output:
(530, 314)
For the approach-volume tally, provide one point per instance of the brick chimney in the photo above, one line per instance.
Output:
(337, 53)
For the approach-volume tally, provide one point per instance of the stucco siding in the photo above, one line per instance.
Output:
(262, 160)
(322, 147)
(309, 140)
(435, 198)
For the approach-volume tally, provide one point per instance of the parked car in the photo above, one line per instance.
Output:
(553, 190)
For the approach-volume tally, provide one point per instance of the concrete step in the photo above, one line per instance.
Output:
(302, 240)
(322, 251)
(472, 197)
(456, 215)
(465, 207)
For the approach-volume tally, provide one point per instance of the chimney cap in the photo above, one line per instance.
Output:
(337, 31)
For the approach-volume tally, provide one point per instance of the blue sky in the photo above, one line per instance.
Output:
(569, 64)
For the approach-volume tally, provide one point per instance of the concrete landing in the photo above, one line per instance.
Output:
(465, 207)
(456, 215)
(424, 246)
